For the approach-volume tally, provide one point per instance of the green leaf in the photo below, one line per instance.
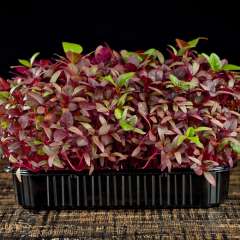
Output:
(156, 54)
(40, 152)
(173, 49)
(51, 158)
(125, 125)
(46, 94)
(122, 99)
(50, 151)
(55, 76)
(34, 56)
(182, 84)
(151, 52)
(57, 162)
(4, 124)
(180, 139)
(223, 143)
(37, 142)
(4, 95)
(230, 67)
(201, 129)
(38, 120)
(233, 143)
(190, 132)
(206, 56)
(196, 140)
(235, 147)
(138, 130)
(118, 113)
(160, 57)
(126, 55)
(25, 63)
(193, 43)
(139, 58)
(181, 51)
(124, 114)
(109, 78)
(132, 120)
(215, 62)
(72, 47)
(124, 78)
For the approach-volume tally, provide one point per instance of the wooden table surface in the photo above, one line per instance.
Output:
(214, 223)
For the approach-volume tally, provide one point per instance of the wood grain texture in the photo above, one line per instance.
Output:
(214, 223)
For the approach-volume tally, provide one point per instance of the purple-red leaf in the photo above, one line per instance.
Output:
(36, 97)
(23, 121)
(104, 129)
(75, 130)
(210, 178)
(98, 143)
(59, 135)
(136, 151)
(18, 175)
(103, 54)
(67, 119)
(87, 158)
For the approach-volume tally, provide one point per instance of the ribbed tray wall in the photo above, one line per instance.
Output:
(164, 190)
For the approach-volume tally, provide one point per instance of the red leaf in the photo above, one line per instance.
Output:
(23, 121)
(217, 122)
(18, 175)
(104, 129)
(178, 157)
(48, 132)
(75, 130)
(4, 85)
(87, 158)
(51, 159)
(98, 143)
(40, 110)
(67, 119)
(103, 54)
(36, 97)
(210, 178)
(21, 70)
(59, 135)
(142, 108)
(136, 151)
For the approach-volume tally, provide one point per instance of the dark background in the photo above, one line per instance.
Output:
(30, 26)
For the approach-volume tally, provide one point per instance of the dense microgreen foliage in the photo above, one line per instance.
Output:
(121, 110)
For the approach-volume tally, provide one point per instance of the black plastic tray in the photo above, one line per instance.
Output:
(123, 189)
